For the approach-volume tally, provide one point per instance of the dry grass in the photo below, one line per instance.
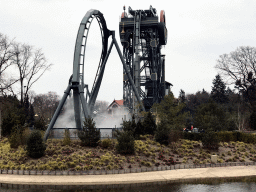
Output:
(147, 153)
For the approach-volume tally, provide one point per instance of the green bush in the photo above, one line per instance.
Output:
(149, 124)
(19, 136)
(35, 146)
(12, 116)
(245, 137)
(89, 135)
(248, 138)
(162, 133)
(125, 143)
(210, 140)
(211, 116)
(193, 136)
(106, 143)
(66, 140)
(15, 138)
(175, 135)
(40, 124)
(139, 130)
(25, 135)
(7, 124)
(252, 120)
(226, 136)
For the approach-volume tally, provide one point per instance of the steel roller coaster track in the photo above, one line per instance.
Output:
(83, 97)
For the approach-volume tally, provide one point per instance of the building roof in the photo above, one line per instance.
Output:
(118, 102)
(168, 83)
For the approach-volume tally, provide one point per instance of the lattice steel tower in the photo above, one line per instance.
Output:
(142, 37)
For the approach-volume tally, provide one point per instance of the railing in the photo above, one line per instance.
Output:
(58, 133)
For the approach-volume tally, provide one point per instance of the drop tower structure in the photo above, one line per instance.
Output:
(142, 34)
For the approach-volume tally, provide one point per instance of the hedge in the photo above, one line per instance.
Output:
(224, 136)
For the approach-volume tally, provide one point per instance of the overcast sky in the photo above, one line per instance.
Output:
(199, 31)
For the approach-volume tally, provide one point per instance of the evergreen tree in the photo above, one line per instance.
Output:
(139, 130)
(218, 93)
(182, 97)
(35, 145)
(26, 108)
(129, 125)
(125, 138)
(194, 100)
(170, 110)
(40, 124)
(31, 117)
(125, 143)
(7, 124)
(12, 115)
(253, 120)
(211, 116)
(89, 135)
(149, 124)
(210, 140)
(162, 133)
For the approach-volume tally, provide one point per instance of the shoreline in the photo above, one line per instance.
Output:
(167, 176)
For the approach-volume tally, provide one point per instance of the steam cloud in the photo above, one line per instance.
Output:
(106, 119)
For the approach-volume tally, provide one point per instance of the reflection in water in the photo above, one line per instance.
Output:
(247, 184)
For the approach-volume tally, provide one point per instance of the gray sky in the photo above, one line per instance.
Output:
(198, 32)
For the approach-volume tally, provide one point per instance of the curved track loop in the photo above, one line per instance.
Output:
(76, 81)
(78, 63)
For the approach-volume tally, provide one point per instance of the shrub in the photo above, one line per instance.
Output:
(66, 140)
(15, 138)
(129, 125)
(40, 124)
(210, 140)
(25, 135)
(175, 135)
(149, 124)
(139, 130)
(125, 143)
(252, 120)
(196, 161)
(226, 136)
(78, 168)
(106, 143)
(89, 135)
(35, 146)
(220, 160)
(162, 133)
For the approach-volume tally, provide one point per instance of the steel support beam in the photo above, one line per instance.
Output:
(57, 112)
(127, 71)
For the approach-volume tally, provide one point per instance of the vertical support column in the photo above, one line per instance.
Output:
(77, 107)
(137, 60)
(163, 76)
(127, 72)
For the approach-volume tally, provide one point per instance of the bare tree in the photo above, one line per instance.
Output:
(101, 106)
(45, 105)
(6, 56)
(239, 68)
(31, 65)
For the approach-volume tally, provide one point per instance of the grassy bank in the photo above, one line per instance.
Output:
(148, 153)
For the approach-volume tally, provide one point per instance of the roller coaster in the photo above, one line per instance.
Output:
(142, 37)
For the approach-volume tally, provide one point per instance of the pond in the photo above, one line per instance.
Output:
(247, 184)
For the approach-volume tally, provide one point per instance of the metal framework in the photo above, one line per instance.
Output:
(76, 82)
(142, 37)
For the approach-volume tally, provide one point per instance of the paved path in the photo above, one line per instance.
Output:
(130, 178)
